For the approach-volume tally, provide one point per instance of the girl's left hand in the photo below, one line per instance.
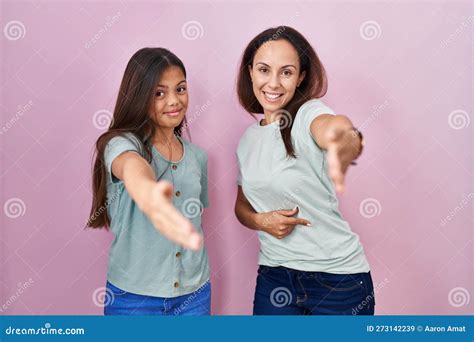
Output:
(343, 147)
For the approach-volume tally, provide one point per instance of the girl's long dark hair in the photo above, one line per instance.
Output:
(131, 114)
(314, 84)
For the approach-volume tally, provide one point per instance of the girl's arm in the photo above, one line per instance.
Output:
(278, 223)
(155, 199)
(337, 135)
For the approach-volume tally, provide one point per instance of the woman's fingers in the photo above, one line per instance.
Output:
(335, 167)
(294, 221)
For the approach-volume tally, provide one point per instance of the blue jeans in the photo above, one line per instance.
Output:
(119, 302)
(284, 291)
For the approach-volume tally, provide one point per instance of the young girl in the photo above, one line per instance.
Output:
(296, 157)
(144, 175)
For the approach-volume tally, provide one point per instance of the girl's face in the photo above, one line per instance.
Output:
(171, 98)
(275, 74)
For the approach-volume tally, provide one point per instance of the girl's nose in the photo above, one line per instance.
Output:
(172, 100)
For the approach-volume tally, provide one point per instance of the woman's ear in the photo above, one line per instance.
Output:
(301, 78)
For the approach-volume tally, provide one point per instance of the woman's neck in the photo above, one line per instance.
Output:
(269, 117)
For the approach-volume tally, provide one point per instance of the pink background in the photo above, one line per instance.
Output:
(406, 84)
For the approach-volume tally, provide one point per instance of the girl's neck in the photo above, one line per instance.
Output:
(164, 136)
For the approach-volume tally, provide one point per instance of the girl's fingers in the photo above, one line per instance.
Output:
(174, 225)
(182, 230)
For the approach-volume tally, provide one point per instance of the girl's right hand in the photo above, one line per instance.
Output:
(280, 223)
(168, 220)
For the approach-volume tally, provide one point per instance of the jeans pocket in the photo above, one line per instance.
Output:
(341, 282)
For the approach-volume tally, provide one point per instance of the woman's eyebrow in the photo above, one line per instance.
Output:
(285, 66)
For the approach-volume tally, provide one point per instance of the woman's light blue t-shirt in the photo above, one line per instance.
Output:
(141, 260)
(272, 181)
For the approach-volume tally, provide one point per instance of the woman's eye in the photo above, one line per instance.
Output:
(264, 70)
(159, 93)
(287, 73)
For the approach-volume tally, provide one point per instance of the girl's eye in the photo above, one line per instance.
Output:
(181, 90)
(159, 93)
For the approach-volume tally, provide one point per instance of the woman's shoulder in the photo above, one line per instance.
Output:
(315, 105)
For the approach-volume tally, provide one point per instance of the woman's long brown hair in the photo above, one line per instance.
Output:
(131, 115)
(314, 84)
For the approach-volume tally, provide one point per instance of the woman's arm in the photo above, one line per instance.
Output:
(154, 199)
(278, 223)
(337, 135)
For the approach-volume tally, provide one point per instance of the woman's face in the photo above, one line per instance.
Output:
(275, 74)
(171, 98)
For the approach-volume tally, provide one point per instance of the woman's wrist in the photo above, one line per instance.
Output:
(356, 134)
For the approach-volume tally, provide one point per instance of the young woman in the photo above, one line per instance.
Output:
(144, 175)
(296, 157)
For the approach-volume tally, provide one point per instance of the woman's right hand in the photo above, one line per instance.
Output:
(280, 223)
(168, 220)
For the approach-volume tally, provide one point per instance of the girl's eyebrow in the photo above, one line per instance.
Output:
(166, 87)
(285, 66)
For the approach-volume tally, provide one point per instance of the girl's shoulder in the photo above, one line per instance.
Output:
(195, 149)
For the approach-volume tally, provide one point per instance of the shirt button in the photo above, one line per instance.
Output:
(178, 193)
(176, 284)
(178, 254)
(174, 167)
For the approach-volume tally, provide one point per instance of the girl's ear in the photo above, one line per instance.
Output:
(301, 78)
(250, 73)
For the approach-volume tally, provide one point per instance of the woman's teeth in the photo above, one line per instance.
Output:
(272, 96)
